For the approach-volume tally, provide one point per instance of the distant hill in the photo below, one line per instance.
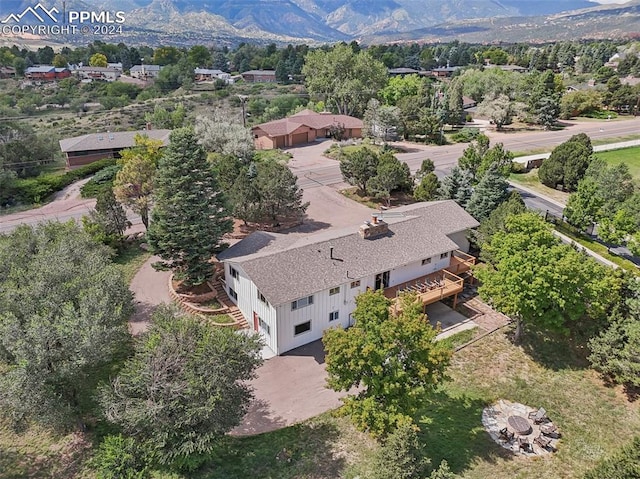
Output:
(314, 21)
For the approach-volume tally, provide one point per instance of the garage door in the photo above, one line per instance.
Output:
(300, 138)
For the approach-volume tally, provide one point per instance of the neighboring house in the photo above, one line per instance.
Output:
(394, 72)
(304, 127)
(7, 72)
(46, 73)
(291, 289)
(444, 72)
(630, 80)
(97, 73)
(259, 76)
(508, 68)
(117, 66)
(145, 72)
(205, 74)
(468, 102)
(85, 149)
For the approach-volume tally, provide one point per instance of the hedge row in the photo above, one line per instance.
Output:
(103, 179)
(35, 190)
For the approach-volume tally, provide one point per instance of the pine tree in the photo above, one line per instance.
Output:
(108, 222)
(488, 194)
(456, 186)
(190, 215)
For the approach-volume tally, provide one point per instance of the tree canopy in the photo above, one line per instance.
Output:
(185, 386)
(532, 277)
(343, 79)
(395, 360)
(63, 313)
(567, 164)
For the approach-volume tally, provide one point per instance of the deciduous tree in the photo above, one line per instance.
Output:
(63, 313)
(533, 278)
(185, 387)
(394, 360)
(219, 134)
(190, 213)
(343, 79)
(98, 60)
(133, 185)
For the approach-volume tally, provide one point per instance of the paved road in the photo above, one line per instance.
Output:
(316, 174)
(320, 171)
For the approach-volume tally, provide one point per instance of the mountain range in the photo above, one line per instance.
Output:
(370, 21)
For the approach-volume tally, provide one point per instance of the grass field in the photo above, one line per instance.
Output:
(530, 180)
(548, 372)
(630, 156)
(130, 260)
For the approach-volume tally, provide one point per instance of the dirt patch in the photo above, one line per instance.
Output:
(181, 288)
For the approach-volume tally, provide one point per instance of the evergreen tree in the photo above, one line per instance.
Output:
(401, 456)
(278, 191)
(359, 167)
(190, 215)
(488, 194)
(428, 188)
(456, 186)
(108, 221)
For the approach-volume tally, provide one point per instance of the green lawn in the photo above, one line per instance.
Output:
(595, 420)
(630, 156)
(530, 180)
(130, 259)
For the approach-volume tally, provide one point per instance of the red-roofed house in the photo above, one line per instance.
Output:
(304, 127)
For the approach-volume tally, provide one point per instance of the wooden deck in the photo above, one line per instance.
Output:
(430, 288)
(460, 262)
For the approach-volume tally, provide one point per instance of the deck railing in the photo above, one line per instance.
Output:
(429, 289)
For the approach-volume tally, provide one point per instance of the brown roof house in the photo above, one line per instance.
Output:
(85, 149)
(259, 76)
(304, 127)
(291, 289)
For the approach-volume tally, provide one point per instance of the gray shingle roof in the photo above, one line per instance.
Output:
(112, 140)
(285, 268)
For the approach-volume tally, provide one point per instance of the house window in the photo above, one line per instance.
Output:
(426, 261)
(263, 325)
(302, 328)
(333, 291)
(444, 255)
(234, 272)
(301, 303)
(233, 294)
(261, 297)
(355, 284)
(333, 315)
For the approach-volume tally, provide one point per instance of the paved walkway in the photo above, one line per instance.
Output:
(151, 289)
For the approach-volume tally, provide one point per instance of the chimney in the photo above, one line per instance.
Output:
(148, 126)
(374, 219)
(378, 227)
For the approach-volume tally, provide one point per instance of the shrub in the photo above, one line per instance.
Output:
(120, 457)
(623, 465)
(518, 167)
(35, 190)
(465, 135)
(102, 179)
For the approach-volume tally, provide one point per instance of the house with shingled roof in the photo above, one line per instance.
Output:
(85, 149)
(304, 127)
(290, 289)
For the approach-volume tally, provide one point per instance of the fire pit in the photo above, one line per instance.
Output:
(520, 425)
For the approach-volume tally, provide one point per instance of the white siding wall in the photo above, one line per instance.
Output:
(417, 269)
(460, 238)
(248, 302)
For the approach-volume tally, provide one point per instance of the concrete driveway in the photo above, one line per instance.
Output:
(289, 389)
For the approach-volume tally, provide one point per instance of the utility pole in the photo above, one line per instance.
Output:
(243, 99)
